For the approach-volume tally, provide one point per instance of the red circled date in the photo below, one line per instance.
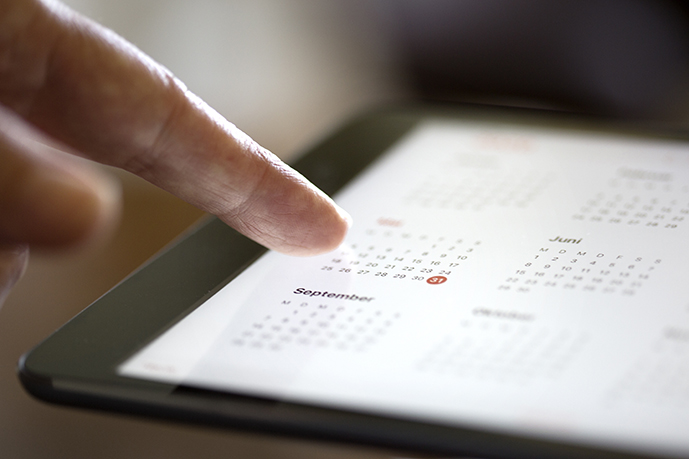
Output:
(436, 280)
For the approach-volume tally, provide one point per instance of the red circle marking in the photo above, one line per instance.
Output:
(435, 280)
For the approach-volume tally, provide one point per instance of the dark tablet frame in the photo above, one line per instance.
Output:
(76, 365)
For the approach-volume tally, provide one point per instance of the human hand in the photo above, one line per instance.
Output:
(69, 87)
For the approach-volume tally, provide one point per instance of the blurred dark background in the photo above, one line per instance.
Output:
(289, 71)
(625, 58)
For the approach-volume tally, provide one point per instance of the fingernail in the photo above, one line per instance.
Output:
(345, 215)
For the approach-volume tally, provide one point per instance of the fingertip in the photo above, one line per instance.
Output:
(304, 220)
(13, 262)
(345, 216)
(334, 233)
(323, 230)
(67, 207)
(107, 207)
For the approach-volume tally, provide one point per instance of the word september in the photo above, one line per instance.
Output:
(337, 296)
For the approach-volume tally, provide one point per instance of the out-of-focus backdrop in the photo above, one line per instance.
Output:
(287, 72)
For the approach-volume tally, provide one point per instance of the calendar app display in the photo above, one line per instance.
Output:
(495, 275)
(403, 256)
(565, 265)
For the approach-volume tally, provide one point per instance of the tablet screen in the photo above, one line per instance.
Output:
(518, 279)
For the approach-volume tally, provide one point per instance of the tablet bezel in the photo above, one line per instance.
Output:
(77, 364)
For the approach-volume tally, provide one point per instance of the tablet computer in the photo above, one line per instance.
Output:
(514, 285)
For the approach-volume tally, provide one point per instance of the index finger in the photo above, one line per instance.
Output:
(92, 90)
